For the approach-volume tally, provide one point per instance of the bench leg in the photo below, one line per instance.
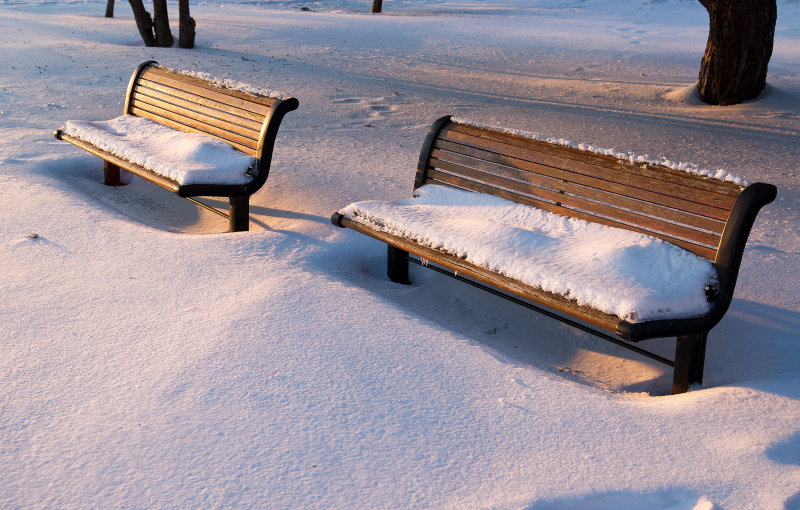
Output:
(397, 265)
(111, 174)
(690, 354)
(240, 214)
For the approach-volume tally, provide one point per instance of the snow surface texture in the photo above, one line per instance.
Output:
(628, 157)
(187, 158)
(151, 359)
(633, 276)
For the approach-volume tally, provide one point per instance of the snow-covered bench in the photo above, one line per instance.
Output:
(191, 134)
(617, 245)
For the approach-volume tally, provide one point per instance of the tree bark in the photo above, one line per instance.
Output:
(740, 38)
(377, 5)
(186, 25)
(161, 24)
(143, 22)
(110, 9)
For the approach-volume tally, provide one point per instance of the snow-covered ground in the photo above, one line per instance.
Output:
(151, 359)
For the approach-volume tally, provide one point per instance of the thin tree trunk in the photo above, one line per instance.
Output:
(161, 24)
(377, 5)
(740, 38)
(143, 22)
(110, 9)
(186, 25)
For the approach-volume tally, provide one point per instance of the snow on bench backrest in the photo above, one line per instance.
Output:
(682, 208)
(193, 104)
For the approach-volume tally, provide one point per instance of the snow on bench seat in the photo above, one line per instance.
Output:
(187, 158)
(634, 276)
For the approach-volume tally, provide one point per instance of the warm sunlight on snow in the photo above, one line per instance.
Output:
(151, 359)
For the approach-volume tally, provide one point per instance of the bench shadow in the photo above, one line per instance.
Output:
(754, 345)
(787, 452)
(509, 332)
(151, 205)
(138, 200)
(283, 214)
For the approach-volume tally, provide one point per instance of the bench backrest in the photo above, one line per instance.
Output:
(684, 209)
(247, 122)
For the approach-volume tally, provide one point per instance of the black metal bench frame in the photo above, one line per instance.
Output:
(247, 122)
(733, 224)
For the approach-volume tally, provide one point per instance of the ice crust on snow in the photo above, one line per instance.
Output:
(634, 276)
(720, 174)
(188, 158)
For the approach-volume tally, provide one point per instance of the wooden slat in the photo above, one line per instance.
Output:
(649, 171)
(192, 126)
(453, 263)
(204, 89)
(590, 181)
(616, 175)
(438, 177)
(563, 182)
(200, 82)
(625, 175)
(213, 103)
(201, 105)
(654, 226)
(179, 111)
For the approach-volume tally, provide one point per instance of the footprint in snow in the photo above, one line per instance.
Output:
(366, 111)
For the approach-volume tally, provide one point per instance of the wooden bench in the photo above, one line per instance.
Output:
(246, 121)
(708, 217)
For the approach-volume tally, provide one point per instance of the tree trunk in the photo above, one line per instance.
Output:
(377, 5)
(161, 24)
(186, 25)
(740, 37)
(110, 9)
(143, 22)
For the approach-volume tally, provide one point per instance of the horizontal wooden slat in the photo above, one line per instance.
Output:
(213, 109)
(569, 183)
(188, 125)
(590, 181)
(194, 124)
(613, 175)
(648, 171)
(198, 116)
(203, 83)
(453, 263)
(204, 89)
(652, 225)
(437, 177)
(623, 182)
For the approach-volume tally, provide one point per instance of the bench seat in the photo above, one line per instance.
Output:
(186, 158)
(631, 275)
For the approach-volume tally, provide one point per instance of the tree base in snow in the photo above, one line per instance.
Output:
(740, 37)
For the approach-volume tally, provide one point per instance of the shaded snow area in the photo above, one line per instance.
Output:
(188, 158)
(633, 276)
(151, 359)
